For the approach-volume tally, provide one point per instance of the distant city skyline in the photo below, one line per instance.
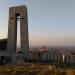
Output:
(50, 22)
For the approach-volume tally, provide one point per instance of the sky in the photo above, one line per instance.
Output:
(50, 22)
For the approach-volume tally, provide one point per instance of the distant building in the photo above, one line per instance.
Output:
(69, 57)
(3, 44)
(43, 55)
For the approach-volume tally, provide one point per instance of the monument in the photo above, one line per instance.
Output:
(17, 13)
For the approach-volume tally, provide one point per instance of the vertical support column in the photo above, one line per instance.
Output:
(24, 34)
(12, 32)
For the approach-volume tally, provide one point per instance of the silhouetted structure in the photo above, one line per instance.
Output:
(3, 44)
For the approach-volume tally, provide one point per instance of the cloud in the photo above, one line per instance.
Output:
(3, 35)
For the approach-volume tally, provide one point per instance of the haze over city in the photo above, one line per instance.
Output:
(50, 22)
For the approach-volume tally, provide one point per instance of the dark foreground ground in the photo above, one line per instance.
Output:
(36, 69)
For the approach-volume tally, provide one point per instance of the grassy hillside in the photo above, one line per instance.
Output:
(35, 69)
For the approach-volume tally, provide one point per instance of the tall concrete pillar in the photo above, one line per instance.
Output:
(14, 12)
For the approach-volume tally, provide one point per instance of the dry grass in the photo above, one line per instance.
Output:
(35, 69)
